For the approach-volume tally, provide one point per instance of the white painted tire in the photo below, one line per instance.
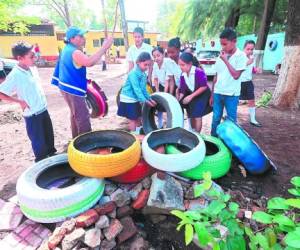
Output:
(173, 162)
(47, 206)
(171, 107)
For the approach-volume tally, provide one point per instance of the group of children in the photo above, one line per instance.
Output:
(181, 75)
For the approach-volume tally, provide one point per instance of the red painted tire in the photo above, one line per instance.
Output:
(99, 96)
(137, 173)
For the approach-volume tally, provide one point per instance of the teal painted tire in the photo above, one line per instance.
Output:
(217, 160)
(41, 203)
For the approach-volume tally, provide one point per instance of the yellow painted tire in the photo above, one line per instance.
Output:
(100, 166)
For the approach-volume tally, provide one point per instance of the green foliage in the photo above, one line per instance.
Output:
(10, 21)
(264, 100)
(282, 220)
(280, 223)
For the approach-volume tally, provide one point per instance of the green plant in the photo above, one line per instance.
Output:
(281, 223)
(205, 222)
(264, 99)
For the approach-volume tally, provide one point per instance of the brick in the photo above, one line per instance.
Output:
(146, 182)
(135, 191)
(113, 214)
(22, 245)
(56, 237)
(10, 215)
(124, 211)
(106, 208)
(12, 239)
(26, 231)
(92, 237)
(129, 229)
(141, 200)
(103, 222)
(87, 218)
(107, 244)
(69, 225)
(113, 230)
(33, 240)
(42, 231)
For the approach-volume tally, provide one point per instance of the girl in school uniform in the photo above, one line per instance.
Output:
(134, 92)
(193, 92)
(161, 79)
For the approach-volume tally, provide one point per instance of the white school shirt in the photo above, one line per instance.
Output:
(174, 70)
(190, 79)
(161, 73)
(26, 84)
(247, 73)
(134, 52)
(226, 84)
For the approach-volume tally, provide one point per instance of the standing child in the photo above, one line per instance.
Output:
(23, 80)
(226, 85)
(161, 66)
(247, 87)
(174, 71)
(193, 92)
(134, 92)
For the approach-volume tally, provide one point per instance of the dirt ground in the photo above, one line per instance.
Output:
(279, 137)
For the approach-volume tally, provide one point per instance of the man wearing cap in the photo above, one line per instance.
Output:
(70, 76)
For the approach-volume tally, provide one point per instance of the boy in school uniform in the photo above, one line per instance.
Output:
(24, 80)
(226, 85)
(137, 48)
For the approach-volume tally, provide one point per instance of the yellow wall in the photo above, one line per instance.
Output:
(48, 44)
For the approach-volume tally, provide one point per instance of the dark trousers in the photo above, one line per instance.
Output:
(40, 132)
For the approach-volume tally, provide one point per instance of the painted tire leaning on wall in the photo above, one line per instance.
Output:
(217, 159)
(41, 204)
(244, 147)
(96, 96)
(173, 163)
(100, 166)
(171, 106)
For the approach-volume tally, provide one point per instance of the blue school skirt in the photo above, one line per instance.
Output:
(131, 111)
(199, 106)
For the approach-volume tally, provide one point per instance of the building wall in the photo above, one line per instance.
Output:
(48, 45)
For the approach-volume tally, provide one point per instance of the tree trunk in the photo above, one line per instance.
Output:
(287, 92)
(233, 19)
(264, 30)
(124, 24)
(68, 18)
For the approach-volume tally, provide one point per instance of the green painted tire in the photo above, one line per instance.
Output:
(41, 201)
(217, 160)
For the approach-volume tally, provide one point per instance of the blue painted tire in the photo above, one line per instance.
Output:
(244, 147)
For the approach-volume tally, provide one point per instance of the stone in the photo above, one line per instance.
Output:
(196, 204)
(72, 239)
(120, 197)
(92, 237)
(87, 218)
(10, 215)
(213, 186)
(113, 230)
(135, 191)
(57, 236)
(110, 188)
(129, 229)
(106, 208)
(103, 222)
(146, 182)
(69, 225)
(189, 194)
(124, 211)
(113, 214)
(103, 200)
(107, 244)
(139, 244)
(166, 194)
(156, 218)
(141, 200)
(44, 245)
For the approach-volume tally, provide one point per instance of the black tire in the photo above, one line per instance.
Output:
(92, 105)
